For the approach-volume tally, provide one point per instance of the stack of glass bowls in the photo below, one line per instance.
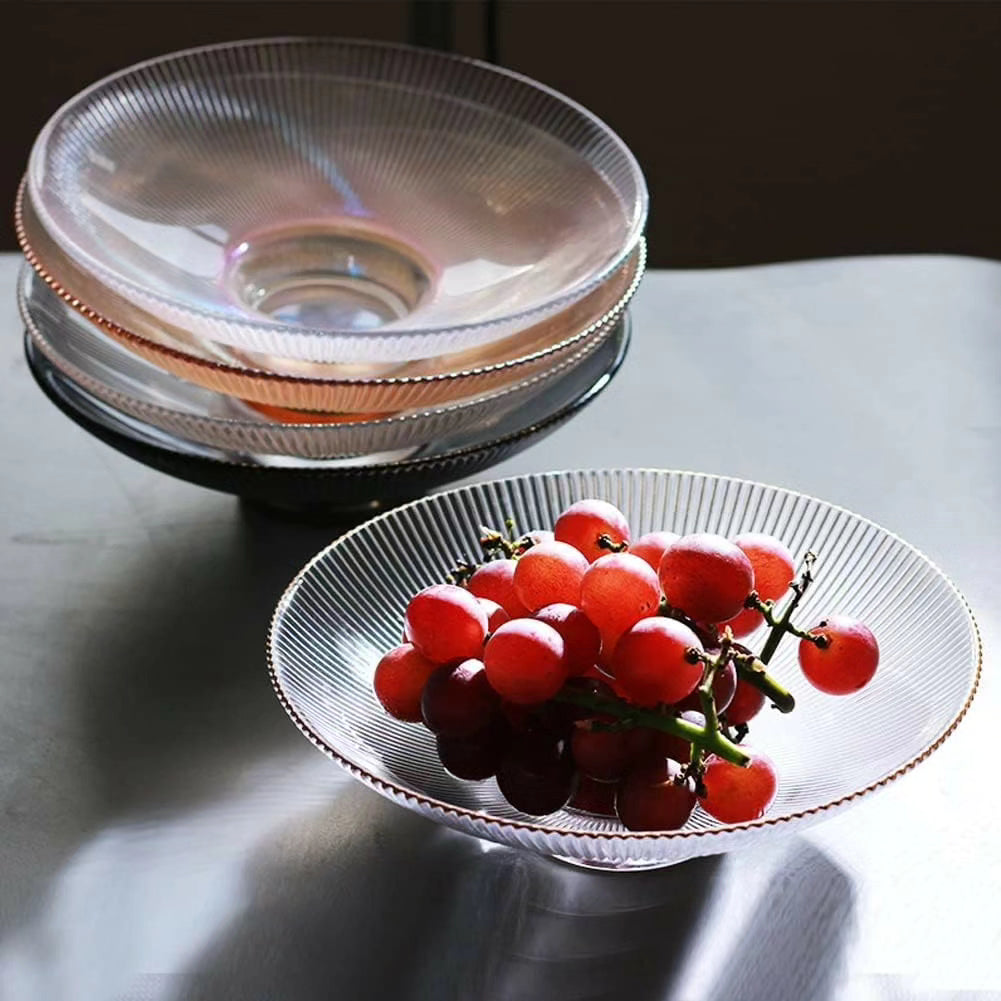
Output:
(333, 262)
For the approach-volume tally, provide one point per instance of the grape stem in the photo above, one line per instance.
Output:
(708, 703)
(752, 670)
(605, 541)
(781, 624)
(701, 737)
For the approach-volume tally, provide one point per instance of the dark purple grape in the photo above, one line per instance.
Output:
(537, 775)
(477, 757)
(458, 700)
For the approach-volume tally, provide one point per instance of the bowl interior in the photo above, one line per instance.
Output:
(335, 186)
(345, 609)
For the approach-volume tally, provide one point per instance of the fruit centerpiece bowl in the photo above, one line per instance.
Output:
(347, 607)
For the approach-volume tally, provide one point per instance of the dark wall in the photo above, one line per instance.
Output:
(767, 130)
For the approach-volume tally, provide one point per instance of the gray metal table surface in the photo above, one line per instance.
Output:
(167, 834)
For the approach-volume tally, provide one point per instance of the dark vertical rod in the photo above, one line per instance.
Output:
(492, 31)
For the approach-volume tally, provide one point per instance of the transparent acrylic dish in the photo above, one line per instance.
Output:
(131, 385)
(337, 389)
(336, 200)
(335, 490)
(345, 609)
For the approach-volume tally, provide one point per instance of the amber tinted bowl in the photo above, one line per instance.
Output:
(326, 388)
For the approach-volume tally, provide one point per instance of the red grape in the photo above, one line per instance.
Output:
(655, 797)
(581, 638)
(651, 547)
(495, 582)
(537, 775)
(525, 661)
(457, 700)
(724, 686)
(848, 661)
(651, 664)
(446, 623)
(667, 745)
(593, 796)
(399, 681)
(496, 616)
(707, 577)
(602, 754)
(617, 591)
(746, 703)
(583, 523)
(549, 574)
(477, 757)
(735, 795)
(774, 569)
(540, 535)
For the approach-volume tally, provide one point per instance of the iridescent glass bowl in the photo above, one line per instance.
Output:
(336, 201)
(295, 385)
(345, 609)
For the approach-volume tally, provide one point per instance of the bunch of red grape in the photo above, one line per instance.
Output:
(579, 667)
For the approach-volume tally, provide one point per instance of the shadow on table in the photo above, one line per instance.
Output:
(424, 915)
(175, 700)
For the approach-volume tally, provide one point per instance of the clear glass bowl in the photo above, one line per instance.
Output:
(131, 385)
(335, 200)
(345, 609)
(311, 386)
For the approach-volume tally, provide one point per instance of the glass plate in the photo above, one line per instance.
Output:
(345, 609)
(336, 200)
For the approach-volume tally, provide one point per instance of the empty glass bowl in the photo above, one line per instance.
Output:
(336, 201)
(345, 609)
(310, 386)
(113, 374)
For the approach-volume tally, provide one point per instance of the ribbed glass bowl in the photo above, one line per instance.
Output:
(311, 386)
(336, 200)
(345, 609)
(132, 386)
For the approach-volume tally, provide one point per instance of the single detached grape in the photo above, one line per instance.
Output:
(655, 797)
(735, 795)
(617, 591)
(593, 796)
(525, 661)
(724, 686)
(581, 639)
(399, 681)
(496, 616)
(652, 546)
(537, 775)
(847, 661)
(583, 523)
(457, 700)
(651, 663)
(549, 574)
(600, 753)
(495, 582)
(446, 623)
(774, 569)
(707, 577)
(477, 757)
(746, 703)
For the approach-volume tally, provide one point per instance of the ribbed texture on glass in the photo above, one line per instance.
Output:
(130, 385)
(152, 177)
(312, 386)
(346, 608)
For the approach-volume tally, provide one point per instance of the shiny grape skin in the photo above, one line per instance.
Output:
(651, 547)
(458, 700)
(537, 775)
(849, 661)
(736, 795)
(495, 582)
(581, 639)
(617, 591)
(706, 576)
(746, 703)
(650, 662)
(774, 569)
(526, 661)
(446, 623)
(651, 797)
(399, 680)
(583, 523)
(549, 574)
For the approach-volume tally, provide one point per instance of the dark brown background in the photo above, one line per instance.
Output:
(767, 130)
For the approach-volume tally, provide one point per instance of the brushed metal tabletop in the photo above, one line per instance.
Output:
(167, 834)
